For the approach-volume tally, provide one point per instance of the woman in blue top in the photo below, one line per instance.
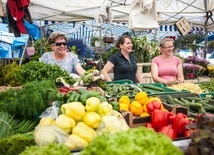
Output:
(67, 61)
(123, 63)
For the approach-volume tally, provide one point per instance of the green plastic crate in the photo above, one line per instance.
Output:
(120, 82)
(160, 85)
(207, 95)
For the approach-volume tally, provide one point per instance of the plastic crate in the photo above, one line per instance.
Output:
(207, 95)
(166, 90)
(120, 82)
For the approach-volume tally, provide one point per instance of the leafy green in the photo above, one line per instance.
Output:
(51, 149)
(11, 126)
(135, 141)
(29, 102)
(37, 71)
(16, 144)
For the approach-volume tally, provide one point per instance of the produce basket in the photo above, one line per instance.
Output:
(193, 102)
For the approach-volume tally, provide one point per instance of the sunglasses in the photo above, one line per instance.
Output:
(60, 44)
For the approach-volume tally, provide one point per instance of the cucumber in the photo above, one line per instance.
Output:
(153, 87)
(179, 102)
(193, 98)
(169, 99)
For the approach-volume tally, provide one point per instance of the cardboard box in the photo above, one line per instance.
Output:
(134, 121)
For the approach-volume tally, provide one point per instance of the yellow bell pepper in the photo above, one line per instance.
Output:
(65, 123)
(136, 108)
(144, 114)
(75, 142)
(141, 97)
(46, 121)
(75, 110)
(92, 104)
(92, 119)
(104, 109)
(124, 100)
(84, 131)
(124, 107)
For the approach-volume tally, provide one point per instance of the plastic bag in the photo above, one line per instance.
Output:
(51, 111)
(47, 134)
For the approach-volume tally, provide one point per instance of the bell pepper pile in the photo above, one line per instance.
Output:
(141, 105)
(80, 120)
(170, 124)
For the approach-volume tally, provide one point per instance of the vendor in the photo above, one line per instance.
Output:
(67, 61)
(123, 63)
(167, 68)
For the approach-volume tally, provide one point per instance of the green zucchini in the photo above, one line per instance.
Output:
(153, 87)
(179, 102)
(193, 98)
(169, 99)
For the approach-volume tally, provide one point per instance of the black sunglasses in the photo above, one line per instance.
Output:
(60, 44)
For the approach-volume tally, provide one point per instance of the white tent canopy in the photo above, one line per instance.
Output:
(197, 12)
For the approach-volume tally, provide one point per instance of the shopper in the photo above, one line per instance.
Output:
(123, 63)
(61, 56)
(167, 68)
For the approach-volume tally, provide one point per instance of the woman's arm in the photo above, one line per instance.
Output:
(79, 70)
(180, 73)
(138, 76)
(106, 69)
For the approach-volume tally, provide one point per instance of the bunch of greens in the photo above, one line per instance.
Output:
(8, 74)
(135, 141)
(50, 149)
(29, 102)
(11, 126)
(37, 71)
(16, 144)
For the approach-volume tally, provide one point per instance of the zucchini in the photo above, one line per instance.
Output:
(179, 102)
(193, 98)
(169, 99)
(153, 87)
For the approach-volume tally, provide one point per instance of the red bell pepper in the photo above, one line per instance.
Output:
(189, 132)
(168, 131)
(179, 123)
(159, 118)
(153, 105)
(149, 125)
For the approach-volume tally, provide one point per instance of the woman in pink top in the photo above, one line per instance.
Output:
(167, 68)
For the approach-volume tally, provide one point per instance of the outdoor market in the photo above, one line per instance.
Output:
(106, 77)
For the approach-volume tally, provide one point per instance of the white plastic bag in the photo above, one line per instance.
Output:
(51, 111)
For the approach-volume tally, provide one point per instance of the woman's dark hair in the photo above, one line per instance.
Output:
(121, 40)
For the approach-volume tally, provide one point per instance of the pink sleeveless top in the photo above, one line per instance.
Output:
(167, 69)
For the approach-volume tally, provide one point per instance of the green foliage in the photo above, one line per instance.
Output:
(188, 41)
(10, 125)
(29, 102)
(8, 74)
(37, 71)
(41, 46)
(106, 55)
(211, 44)
(144, 49)
(16, 144)
(50, 149)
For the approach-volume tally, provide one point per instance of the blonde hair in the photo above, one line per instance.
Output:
(56, 35)
(162, 43)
